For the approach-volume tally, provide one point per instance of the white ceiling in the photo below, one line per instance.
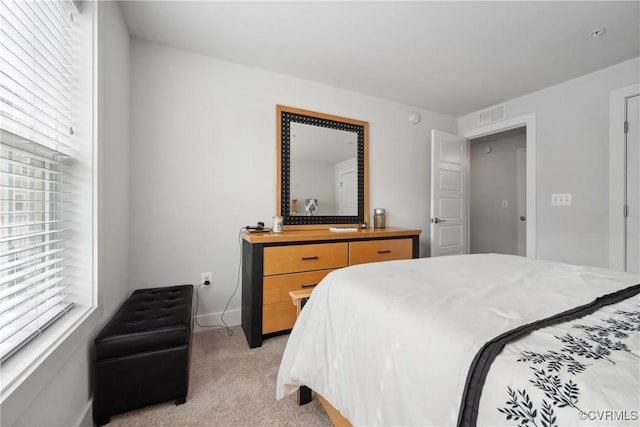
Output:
(450, 57)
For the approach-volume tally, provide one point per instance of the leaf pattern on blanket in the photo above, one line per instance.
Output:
(555, 372)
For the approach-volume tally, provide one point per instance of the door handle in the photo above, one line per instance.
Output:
(523, 218)
(437, 220)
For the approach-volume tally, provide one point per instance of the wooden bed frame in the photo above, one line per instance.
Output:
(334, 415)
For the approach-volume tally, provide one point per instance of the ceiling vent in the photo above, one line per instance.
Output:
(491, 115)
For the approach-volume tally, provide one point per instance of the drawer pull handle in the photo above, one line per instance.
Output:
(384, 252)
(310, 285)
(309, 258)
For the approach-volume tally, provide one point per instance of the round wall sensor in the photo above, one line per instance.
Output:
(414, 118)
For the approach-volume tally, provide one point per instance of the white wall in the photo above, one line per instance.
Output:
(492, 227)
(203, 163)
(572, 157)
(66, 399)
(114, 158)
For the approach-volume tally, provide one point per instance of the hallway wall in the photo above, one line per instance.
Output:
(494, 228)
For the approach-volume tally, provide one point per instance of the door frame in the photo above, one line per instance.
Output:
(529, 121)
(617, 106)
(519, 199)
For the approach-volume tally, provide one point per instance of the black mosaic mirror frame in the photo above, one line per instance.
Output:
(286, 119)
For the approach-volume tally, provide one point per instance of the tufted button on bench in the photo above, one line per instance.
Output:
(142, 355)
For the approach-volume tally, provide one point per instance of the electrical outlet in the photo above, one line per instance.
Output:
(206, 277)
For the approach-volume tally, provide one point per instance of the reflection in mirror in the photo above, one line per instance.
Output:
(324, 178)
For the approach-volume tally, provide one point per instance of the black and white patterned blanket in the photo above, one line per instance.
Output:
(584, 371)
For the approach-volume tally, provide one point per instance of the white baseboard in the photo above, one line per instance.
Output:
(231, 318)
(85, 419)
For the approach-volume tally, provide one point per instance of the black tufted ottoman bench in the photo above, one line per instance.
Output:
(142, 355)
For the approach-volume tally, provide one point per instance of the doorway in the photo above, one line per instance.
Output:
(347, 192)
(441, 142)
(528, 122)
(624, 191)
(497, 193)
(632, 185)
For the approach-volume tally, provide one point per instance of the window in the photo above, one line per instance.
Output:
(36, 155)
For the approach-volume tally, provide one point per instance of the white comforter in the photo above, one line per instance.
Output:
(391, 343)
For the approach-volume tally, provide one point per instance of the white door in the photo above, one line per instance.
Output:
(348, 190)
(632, 185)
(521, 200)
(449, 193)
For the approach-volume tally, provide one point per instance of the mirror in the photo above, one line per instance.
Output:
(322, 177)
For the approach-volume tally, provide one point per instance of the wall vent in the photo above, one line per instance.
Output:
(484, 117)
(491, 115)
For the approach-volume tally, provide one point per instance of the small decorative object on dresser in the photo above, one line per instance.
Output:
(379, 218)
(310, 206)
(277, 224)
(274, 265)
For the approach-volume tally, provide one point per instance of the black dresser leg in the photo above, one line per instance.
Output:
(303, 395)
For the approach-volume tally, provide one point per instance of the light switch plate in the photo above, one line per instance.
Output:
(561, 199)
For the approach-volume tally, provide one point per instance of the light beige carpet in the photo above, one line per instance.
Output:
(230, 385)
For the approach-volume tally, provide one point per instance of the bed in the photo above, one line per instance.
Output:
(471, 340)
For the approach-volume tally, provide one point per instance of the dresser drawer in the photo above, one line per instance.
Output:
(379, 250)
(296, 258)
(276, 288)
(278, 317)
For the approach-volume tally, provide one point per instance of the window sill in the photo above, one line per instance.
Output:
(26, 374)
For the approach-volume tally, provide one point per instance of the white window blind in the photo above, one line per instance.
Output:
(36, 76)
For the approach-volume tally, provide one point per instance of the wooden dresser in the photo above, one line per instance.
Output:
(275, 263)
